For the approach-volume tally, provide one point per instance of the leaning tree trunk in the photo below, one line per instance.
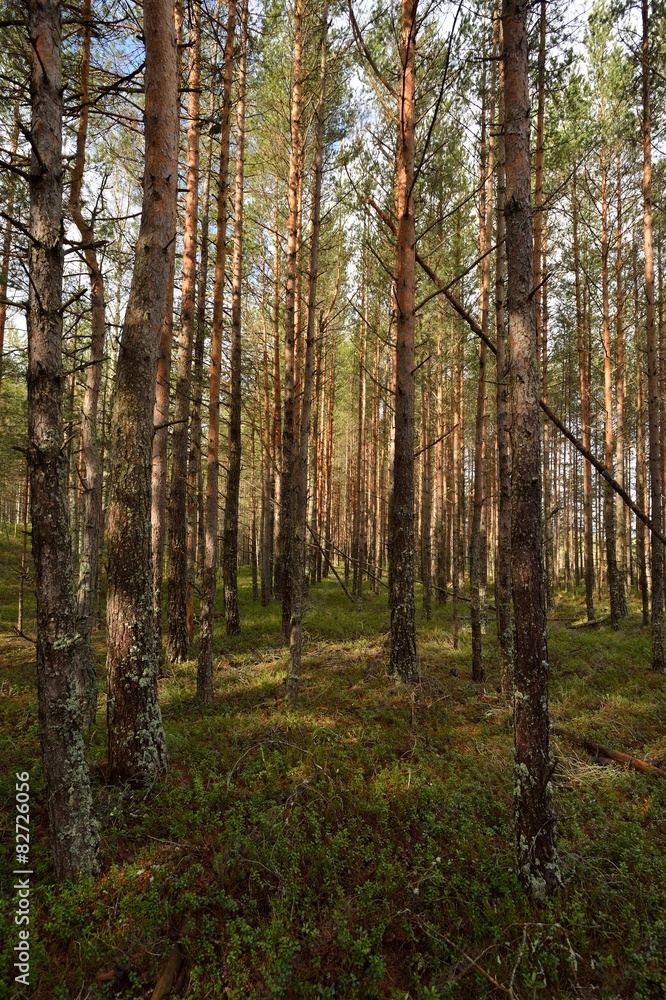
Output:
(178, 639)
(137, 750)
(230, 557)
(92, 465)
(211, 513)
(300, 472)
(72, 826)
(533, 765)
(404, 661)
(655, 459)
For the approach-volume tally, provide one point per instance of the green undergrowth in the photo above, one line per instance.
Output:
(359, 845)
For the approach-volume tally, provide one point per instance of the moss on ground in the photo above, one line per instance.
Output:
(356, 846)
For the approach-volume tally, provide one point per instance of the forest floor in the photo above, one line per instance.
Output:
(359, 845)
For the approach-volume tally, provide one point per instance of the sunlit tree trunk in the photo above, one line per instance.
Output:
(92, 467)
(533, 765)
(289, 442)
(211, 512)
(300, 472)
(230, 556)
(584, 386)
(655, 460)
(137, 750)
(178, 638)
(194, 474)
(403, 661)
(618, 606)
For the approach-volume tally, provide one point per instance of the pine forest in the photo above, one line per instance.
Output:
(332, 499)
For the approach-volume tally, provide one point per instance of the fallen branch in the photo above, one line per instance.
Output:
(591, 623)
(473, 962)
(597, 750)
(337, 577)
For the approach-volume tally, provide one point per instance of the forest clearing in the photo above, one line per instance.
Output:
(332, 499)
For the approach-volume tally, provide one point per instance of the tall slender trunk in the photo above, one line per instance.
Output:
(620, 388)
(533, 765)
(584, 385)
(289, 444)
(178, 639)
(404, 661)
(276, 422)
(503, 575)
(426, 494)
(360, 511)
(538, 267)
(137, 750)
(92, 467)
(230, 554)
(159, 471)
(211, 512)
(267, 493)
(300, 474)
(73, 830)
(641, 494)
(656, 549)
(478, 540)
(194, 474)
(7, 243)
(618, 606)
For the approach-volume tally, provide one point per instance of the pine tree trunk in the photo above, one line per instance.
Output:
(7, 243)
(289, 441)
(478, 540)
(426, 495)
(584, 385)
(178, 639)
(655, 460)
(641, 496)
(137, 751)
(620, 390)
(503, 575)
(533, 765)
(360, 512)
(92, 468)
(300, 481)
(194, 474)
(73, 830)
(230, 556)
(618, 606)
(404, 662)
(211, 513)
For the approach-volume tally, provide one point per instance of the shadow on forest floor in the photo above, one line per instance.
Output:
(359, 845)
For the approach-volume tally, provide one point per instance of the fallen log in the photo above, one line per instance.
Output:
(170, 973)
(591, 623)
(597, 750)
